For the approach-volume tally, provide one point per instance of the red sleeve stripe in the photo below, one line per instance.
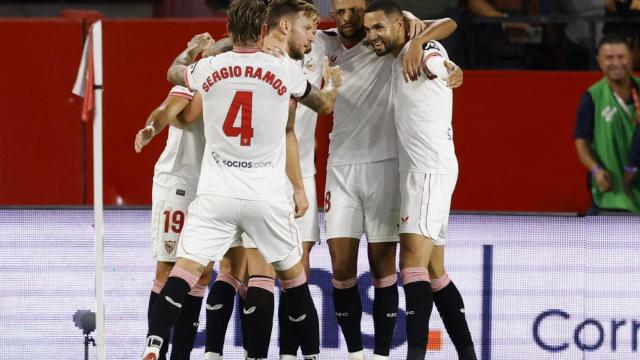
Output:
(179, 94)
(186, 78)
(429, 56)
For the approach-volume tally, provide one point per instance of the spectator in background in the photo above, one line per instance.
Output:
(625, 9)
(607, 116)
(511, 45)
(579, 37)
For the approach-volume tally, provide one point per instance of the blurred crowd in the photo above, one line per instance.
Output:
(503, 34)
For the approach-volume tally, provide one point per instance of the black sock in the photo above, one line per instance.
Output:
(303, 317)
(288, 338)
(219, 309)
(186, 329)
(168, 306)
(243, 323)
(258, 310)
(419, 304)
(165, 344)
(385, 309)
(449, 303)
(348, 308)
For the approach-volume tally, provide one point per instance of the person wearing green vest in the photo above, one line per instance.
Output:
(607, 117)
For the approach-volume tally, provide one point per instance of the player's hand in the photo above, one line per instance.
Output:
(603, 180)
(627, 181)
(332, 75)
(412, 61)
(455, 75)
(200, 41)
(143, 137)
(412, 24)
(301, 201)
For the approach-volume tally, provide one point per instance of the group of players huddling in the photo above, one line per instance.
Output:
(235, 182)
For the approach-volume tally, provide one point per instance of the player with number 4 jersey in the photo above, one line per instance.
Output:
(246, 95)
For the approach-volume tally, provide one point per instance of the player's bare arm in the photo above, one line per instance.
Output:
(436, 30)
(195, 46)
(294, 172)
(160, 117)
(191, 113)
(323, 101)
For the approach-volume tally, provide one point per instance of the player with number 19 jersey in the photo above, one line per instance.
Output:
(175, 181)
(245, 122)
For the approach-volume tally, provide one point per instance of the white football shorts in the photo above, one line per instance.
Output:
(215, 222)
(168, 216)
(426, 201)
(363, 199)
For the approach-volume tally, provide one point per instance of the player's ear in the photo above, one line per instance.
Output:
(284, 25)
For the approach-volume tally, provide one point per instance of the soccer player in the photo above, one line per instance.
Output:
(242, 183)
(174, 187)
(428, 174)
(362, 190)
(177, 169)
(292, 25)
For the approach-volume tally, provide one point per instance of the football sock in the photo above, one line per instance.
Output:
(385, 309)
(450, 305)
(303, 315)
(348, 307)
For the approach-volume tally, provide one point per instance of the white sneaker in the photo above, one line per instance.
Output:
(379, 357)
(288, 357)
(152, 350)
(358, 355)
(212, 356)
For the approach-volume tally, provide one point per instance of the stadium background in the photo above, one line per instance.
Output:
(532, 283)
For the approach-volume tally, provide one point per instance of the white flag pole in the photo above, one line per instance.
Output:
(98, 201)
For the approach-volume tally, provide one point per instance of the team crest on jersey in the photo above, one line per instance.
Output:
(310, 65)
(170, 246)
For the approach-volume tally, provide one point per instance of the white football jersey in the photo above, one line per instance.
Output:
(363, 126)
(245, 107)
(423, 114)
(306, 118)
(178, 167)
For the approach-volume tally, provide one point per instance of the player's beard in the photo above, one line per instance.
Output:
(355, 33)
(382, 46)
(295, 52)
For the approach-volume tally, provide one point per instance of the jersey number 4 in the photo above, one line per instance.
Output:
(242, 103)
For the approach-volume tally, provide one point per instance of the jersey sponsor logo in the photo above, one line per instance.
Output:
(170, 246)
(247, 72)
(247, 164)
(405, 220)
(608, 113)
